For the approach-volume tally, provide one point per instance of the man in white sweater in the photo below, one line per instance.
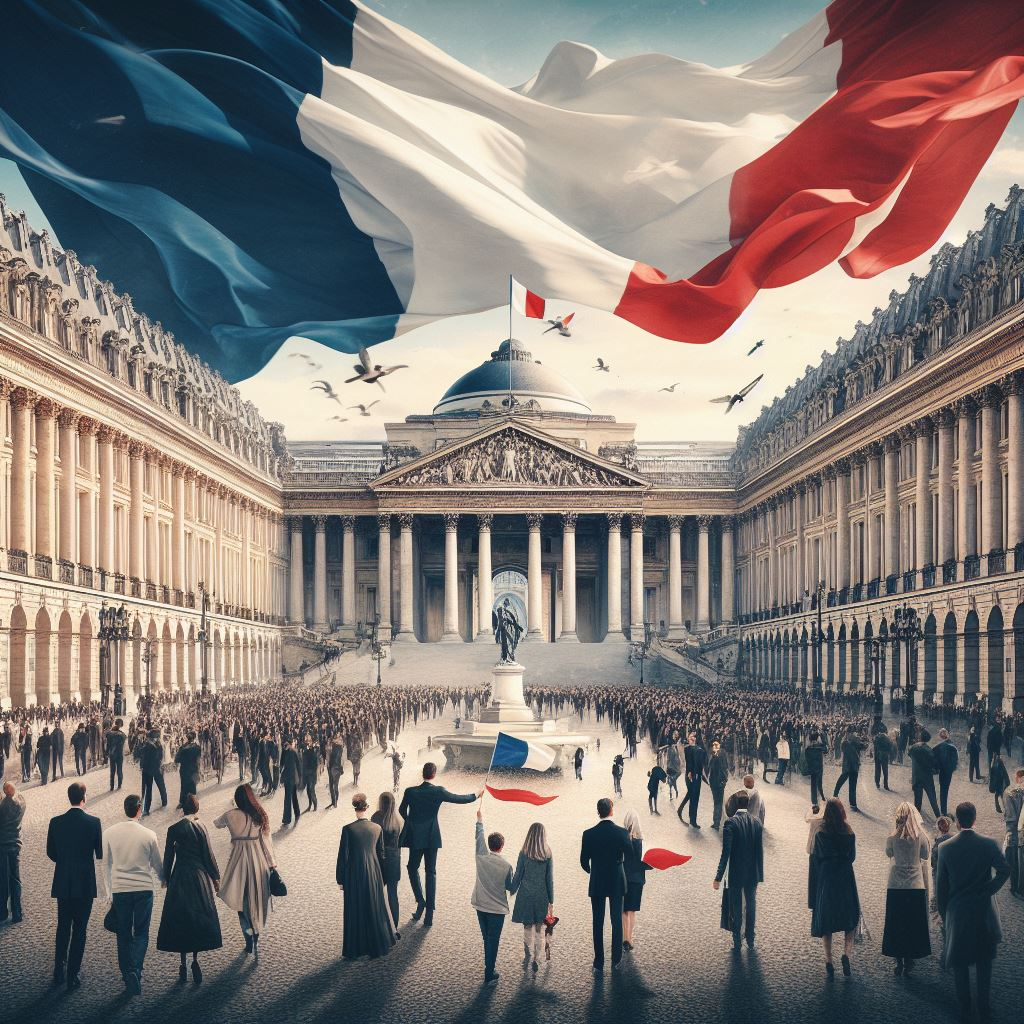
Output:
(493, 881)
(132, 870)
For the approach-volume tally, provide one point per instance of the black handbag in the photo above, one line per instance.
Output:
(276, 884)
(726, 920)
(110, 920)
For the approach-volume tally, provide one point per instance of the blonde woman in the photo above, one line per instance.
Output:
(636, 875)
(906, 935)
(534, 886)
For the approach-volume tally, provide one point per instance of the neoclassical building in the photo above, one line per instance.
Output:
(887, 476)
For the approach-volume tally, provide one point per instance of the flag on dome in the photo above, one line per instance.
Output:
(525, 303)
(250, 170)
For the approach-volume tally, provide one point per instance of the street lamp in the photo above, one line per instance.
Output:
(113, 630)
(378, 649)
(147, 659)
(640, 649)
(907, 627)
(877, 658)
(203, 637)
(820, 591)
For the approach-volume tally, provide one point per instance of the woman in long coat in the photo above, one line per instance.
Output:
(534, 886)
(246, 884)
(906, 934)
(189, 922)
(366, 930)
(390, 822)
(836, 903)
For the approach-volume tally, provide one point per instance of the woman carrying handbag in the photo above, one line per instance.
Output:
(246, 885)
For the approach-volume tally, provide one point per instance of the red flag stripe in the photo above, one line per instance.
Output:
(520, 796)
(925, 91)
(662, 859)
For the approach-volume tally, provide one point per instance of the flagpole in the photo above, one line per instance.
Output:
(509, 351)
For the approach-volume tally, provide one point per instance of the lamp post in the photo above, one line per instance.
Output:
(907, 627)
(639, 649)
(147, 659)
(203, 638)
(378, 650)
(877, 657)
(113, 630)
(820, 592)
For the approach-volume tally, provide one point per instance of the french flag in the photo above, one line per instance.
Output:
(512, 752)
(250, 170)
(525, 302)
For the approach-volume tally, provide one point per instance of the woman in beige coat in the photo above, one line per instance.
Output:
(245, 884)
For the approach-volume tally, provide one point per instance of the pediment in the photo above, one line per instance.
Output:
(510, 455)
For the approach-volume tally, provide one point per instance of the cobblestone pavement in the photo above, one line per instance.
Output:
(681, 970)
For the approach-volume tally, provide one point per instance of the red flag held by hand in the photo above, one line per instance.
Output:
(662, 859)
(520, 796)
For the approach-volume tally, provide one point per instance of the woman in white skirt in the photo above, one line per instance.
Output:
(245, 883)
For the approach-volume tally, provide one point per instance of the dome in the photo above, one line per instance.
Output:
(488, 385)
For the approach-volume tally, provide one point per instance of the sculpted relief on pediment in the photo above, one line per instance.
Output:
(511, 457)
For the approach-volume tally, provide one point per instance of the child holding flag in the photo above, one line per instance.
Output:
(493, 881)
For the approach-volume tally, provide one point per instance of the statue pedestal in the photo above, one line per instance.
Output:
(507, 712)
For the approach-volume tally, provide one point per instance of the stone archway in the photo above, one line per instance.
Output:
(972, 655)
(931, 652)
(949, 655)
(843, 682)
(64, 643)
(19, 659)
(1018, 659)
(42, 650)
(179, 659)
(85, 642)
(995, 675)
(855, 677)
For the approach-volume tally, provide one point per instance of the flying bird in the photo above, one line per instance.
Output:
(756, 347)
(561, 324)
(371, 373)
(326, 388)
(308, 361)
(602, 365)
(671, 390)
(739, 396)
(340, 419)
(364, 410)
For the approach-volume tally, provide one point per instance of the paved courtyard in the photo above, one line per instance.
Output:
(682, 968)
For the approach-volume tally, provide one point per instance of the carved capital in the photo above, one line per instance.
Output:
(6, 387)
(892, 444)
(966, 406)
(485, 520)
(1012, 384)
(675, 523)
(87, 426)
(923, 427)
(405, 520)
(945, 418)
(842, 467)
(294, 524)
(105, 434)
(704, 523)
(614, 521)
(69, 417)
(727, 523)
(451, 522)
(801, 488)
(190, 473)
(348, 523)
(22, 398)
(136, 449)
(636, 522)
(320, 524)
(569, 521)
(989, 397)
(47, 409)
(534, 520)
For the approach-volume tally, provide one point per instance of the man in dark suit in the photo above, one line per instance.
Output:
(884, 753)
(696, 767)
(718, 776)
(922, 768)
(57, 751)
(151, 759)
(964, 887)
(80, 745)
(72, 841)
(603, 856)
(187, 758)
(743, 854)
(946, 758)
(115, 740)
(814, 755)
(421, 835)
(291, 777)
(853, 747)
(43, 756)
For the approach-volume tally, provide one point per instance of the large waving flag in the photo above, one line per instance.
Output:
(255, 169)
(512, 752)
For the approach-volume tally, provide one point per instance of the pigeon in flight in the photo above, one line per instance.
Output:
(364, 410)
(340, 419)
(561, 324)
(602, 365)
(739, 396)
(371, 373)
(756, 347)
(306, 359)
(325, 387)
(671, 390)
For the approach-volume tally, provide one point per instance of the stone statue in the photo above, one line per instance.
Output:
(507, 631)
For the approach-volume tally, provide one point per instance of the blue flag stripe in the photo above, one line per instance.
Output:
(509, 752)
(161, 141)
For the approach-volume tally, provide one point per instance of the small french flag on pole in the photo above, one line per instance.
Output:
(525, 302)
(511, 752)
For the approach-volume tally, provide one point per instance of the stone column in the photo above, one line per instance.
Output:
(384, 576)
(636, 577)
(843, 523)
(23, 402)
(703, 574)
(406, 612)
(86, 525)
(246, 512)
(153, 538)
(892, 528)
(296, 588)
(801, 542)
(675, 578)
(991, 481)
(1013, 388)
(105, 450)
(136, 470)
(67, 548)
(614, 634)
(320, 574)
(178, 528)
(568, 634)
(923, 555)
(46, 417)
(534, 578)
(451, 579)
(485, 599)
(348, 573)
(967, 512)
(945, 552)
(728, 570)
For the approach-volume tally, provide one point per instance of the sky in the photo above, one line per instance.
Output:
(509, 40)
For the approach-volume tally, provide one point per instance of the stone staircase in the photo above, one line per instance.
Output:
(470, 664)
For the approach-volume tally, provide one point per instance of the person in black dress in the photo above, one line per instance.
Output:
(367, 927)
(636, 876)
(390, 822)
(833, 885)
(189, 922)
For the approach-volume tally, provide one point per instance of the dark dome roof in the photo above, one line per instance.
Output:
(489, 383)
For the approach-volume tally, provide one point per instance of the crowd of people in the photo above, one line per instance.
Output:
(291, 737)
